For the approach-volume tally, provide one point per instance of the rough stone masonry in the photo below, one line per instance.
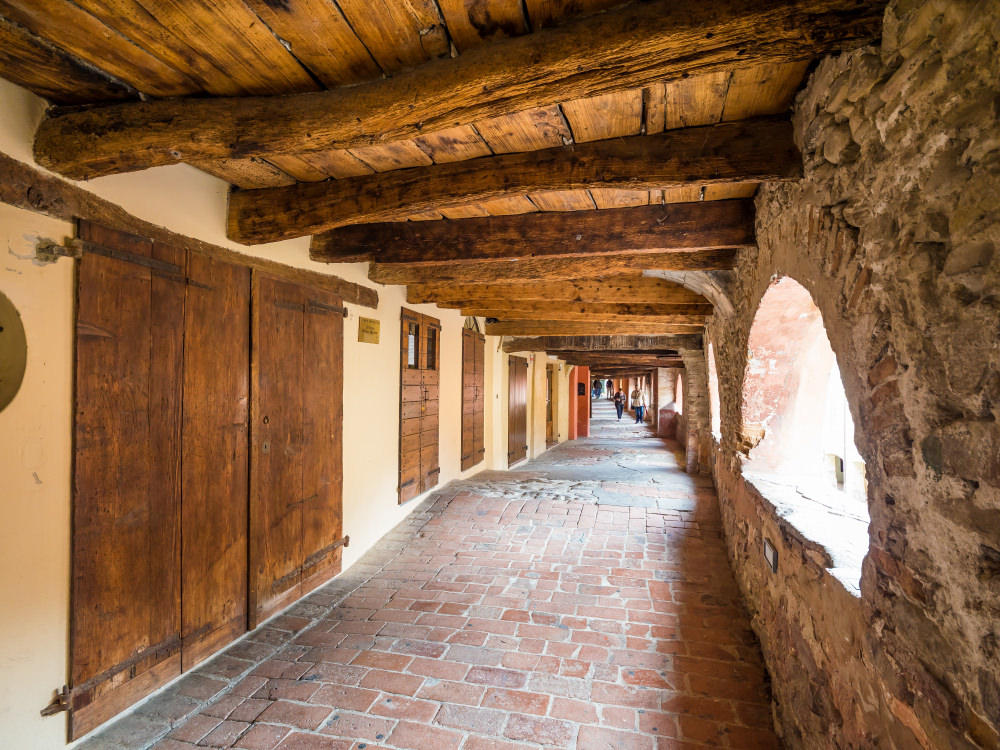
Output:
(894, 231)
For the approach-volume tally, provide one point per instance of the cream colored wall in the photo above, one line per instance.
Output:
(35, 429)
(35, 449)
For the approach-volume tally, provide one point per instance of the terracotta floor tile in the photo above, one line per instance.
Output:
(582, 601)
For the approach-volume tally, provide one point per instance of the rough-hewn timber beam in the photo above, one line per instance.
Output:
(600, 343)
(34, 190)
(751, 151)
(612, 290)
(616, 355)
(586, 317)
(507, 309)
(624, 362)
(578, 328)
(541, 269)
(621, 49)
(672, 226)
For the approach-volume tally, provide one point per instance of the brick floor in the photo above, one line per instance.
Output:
(583, 600)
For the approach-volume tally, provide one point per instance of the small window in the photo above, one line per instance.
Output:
(413, 346)
(432, 334)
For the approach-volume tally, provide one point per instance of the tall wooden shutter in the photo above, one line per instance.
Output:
(517, 410)
(126, 589)
(161, 509)
(216, 413)
(473, 401)
(296, 481)
(419, 382)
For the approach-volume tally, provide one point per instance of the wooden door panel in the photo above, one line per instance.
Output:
(420, 354)
(410, 426)
(322, 473)
(410, 410)
(412, 393)
(429, 422)
(276, 436)
(215, 496)
(409, 443)
(411, 459)
(428, 438)
(517, 410)
(125, 627)
(472, 397)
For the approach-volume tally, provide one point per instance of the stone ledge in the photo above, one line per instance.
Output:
(836, 538)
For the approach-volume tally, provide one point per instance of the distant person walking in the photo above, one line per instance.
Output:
(619, 403)
(611, 388)
(639, 403)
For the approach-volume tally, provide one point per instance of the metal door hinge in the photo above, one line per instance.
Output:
(58, 704)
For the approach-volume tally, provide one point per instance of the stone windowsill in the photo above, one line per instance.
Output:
(817, 515)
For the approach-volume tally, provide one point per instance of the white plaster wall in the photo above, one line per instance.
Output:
(35, 450)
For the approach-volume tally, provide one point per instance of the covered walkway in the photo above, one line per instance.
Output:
(583, 600)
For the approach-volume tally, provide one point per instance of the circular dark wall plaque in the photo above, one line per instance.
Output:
(13, 351)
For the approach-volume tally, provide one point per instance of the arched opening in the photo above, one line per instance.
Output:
(713, 394)
(798, 427)
(679, 394)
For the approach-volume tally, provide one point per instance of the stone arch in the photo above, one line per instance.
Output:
(785, 380)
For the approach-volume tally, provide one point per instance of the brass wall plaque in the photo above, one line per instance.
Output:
(368, 330)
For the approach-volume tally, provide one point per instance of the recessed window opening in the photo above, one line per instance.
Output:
(796, 417)
(713, 394)
(679, 395)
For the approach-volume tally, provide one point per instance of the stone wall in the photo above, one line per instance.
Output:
(894, 231)
(697, 424)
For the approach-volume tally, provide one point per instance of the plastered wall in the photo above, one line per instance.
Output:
(35, 450)
(35, 430)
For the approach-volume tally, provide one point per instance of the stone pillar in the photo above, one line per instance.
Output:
(696, 411)
(666, 420)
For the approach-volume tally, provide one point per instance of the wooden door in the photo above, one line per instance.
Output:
(419, 383)
(473, 409)
(479, 411)
(517, 410)
(125, 630)
(323, 416)
(215, 471)
(296, 474)
(549, 406)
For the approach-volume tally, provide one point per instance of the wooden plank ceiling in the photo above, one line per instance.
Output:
(505, 193)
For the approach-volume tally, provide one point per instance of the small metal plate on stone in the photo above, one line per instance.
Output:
(770, 555)
(368, 330)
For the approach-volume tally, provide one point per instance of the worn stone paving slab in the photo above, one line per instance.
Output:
(511, 610)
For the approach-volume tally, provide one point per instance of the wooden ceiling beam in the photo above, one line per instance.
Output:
(624, 361)
(625, 48)
(542, 269)
(601, 342)
(750, 151)
(611, 319)
(499, 308)
(672, 226)
(582, 328)
(612, 290)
